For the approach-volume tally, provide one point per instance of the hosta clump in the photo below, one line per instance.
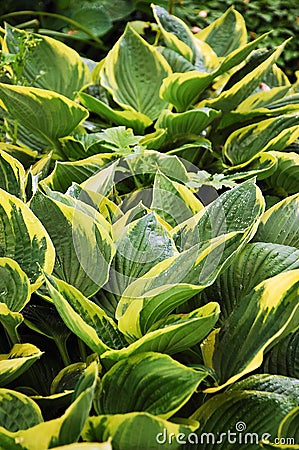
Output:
(136, 308)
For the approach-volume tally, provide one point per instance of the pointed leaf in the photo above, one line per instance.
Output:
(261, 318)
(17, 411)
(132, 119)
(151, 382)
(135, 82)
(286, 174)
(25, 239)
(173, 201)
(14, 285)
(226, 33)
(84, 249)
(83, 317)
(175, 334)
(66, 173)
(140, 245)
(42, 114)
(148, 430)
(255, 263)
(237, 420)
(50, 63)
(64, 430)
(280, 223)
(12, 175)
(275, 134)
(17, 361)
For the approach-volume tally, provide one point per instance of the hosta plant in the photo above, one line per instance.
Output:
(149, 249)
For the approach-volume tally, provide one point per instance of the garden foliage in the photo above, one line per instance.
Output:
(149, 246)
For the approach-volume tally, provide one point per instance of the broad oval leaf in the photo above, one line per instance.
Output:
(148, 430)
(83, 317)
(255, 263)
(286, 175)
(280, 223)
(66, 173)
(17, 361)
(12, 175)
(83, 246)
(263, 317)
(140, 245)
(240, 420)
(132, 119)
(225, 34)
(50, 64)
(25, 239)
(187, 124)
(283, 358)
(17, 411)
(173, 201)
(176, 333)
(133, 72)
(14, 285)
(43, 116)
(148, 382)
(275, 134)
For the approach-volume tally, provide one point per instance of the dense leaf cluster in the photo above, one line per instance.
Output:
(149, 244)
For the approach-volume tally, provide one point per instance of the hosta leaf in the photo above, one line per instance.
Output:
(147, 429)
(255, 263)
(176, 61)
(262, 99)
(17, 411)
(67, 378)
(283, 358)
(83, 317)
(10, 321)
(132, 119)
(66, 173)
(286, 175)
(134, 82)
(262, 166)
(17, 361)
(12, 175)
(187, 124)
(230, 99)
(226, 33)
(84, 249)
(279, 224)
(176, 333)
(288, 429)
(176, 34)
(140, 245)
(275, 134)
(24, 239)
(269, 383)
(150, 382)
(183, 89)
(249, 416)
(238, 209)
(173, 281)
(260, 319)
(14, 285)
(50, 64)
(42, 114)
(173, 201)
(25, 156)
(64, 430)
